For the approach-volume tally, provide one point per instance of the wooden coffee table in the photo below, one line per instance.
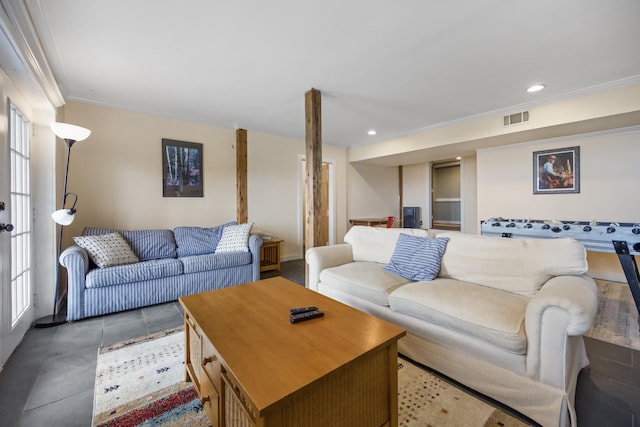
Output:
(252, 367)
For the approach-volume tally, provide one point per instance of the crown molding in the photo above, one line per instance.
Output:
(26, 43)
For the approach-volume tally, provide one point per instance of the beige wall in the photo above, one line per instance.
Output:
(609, 176)
(372, 191)
(416, 182)
(499, 182)
(117, 174)
(469, 195)
(276, 187)
(602, 108)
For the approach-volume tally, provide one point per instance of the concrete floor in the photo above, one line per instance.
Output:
(49, 379)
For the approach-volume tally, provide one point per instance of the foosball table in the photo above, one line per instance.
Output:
(620, 238)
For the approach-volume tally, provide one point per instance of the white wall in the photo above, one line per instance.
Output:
(373, 192)
(469, 195)
(609, 177)
(416, 186)
(274, 187)
(608, 107)
(416, 189)
(117, 174)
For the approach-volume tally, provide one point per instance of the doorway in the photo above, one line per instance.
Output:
(327, 215)
(445, 199)
(16, 306)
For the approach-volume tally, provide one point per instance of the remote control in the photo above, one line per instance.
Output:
(301, 317)
(302, 310)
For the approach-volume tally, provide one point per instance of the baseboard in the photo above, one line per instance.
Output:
(611, 277)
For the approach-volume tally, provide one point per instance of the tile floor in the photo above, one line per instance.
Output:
(49, 379)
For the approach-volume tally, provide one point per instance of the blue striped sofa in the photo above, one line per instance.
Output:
(171, 263)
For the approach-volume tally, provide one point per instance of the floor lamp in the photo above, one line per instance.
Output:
(71, 134)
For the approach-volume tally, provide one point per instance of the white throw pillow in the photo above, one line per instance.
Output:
(107, 250)
(235, 238)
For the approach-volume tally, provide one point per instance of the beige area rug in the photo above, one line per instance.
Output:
(141, 382)
(617, 318)
(425, 400)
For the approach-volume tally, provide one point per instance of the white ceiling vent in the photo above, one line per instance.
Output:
(516, 118)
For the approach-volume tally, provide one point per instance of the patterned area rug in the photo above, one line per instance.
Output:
(617, 318)
(140, 382)
(425, 400)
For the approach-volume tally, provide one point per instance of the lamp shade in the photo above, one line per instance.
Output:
(64, 216)
(72, 132)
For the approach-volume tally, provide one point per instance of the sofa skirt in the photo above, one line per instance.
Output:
(111, 299)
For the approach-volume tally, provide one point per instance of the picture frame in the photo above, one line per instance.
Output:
(182, 172)
(556, 171)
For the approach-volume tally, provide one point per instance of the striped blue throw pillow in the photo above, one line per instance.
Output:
(417, 257)
(197, 240)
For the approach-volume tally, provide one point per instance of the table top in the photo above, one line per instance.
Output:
(271, 357)
(367, 221)
(275, 240)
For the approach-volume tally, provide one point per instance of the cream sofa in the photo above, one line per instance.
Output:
(503, 316)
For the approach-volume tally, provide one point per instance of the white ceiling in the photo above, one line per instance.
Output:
(395, 66)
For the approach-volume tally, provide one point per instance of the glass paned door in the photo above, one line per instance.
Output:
(20, 216)
(16, 294)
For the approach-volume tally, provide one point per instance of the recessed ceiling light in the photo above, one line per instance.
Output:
(535, 88)
(372, 132)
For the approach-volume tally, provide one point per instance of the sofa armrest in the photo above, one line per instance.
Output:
(322, 257)
(76, 261)
(564, 307)
(255, 243)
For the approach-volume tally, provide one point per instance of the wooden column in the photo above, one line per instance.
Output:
(313, 173)
(400, 190)
(241, 176)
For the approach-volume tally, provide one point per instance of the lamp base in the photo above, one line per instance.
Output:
(50, 320)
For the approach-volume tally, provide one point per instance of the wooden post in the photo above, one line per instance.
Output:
(401, 216)
(241, 176)
(313, 173)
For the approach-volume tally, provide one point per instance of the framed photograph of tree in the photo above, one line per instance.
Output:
(181, 169)
(556, 171)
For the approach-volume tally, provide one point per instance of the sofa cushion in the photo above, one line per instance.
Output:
(235, 238)
(417, 257)
(515, 265)
(366, 280)
(146, 244)
(486, 313)
(140, 271)
(152, 244)
(208, 262)
(375, 244)
(107, 250)
(198, 240)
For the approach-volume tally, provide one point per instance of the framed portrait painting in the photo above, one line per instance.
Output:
(181, 169)
(556, 171)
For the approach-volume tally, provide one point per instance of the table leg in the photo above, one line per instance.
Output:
(630, 269)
